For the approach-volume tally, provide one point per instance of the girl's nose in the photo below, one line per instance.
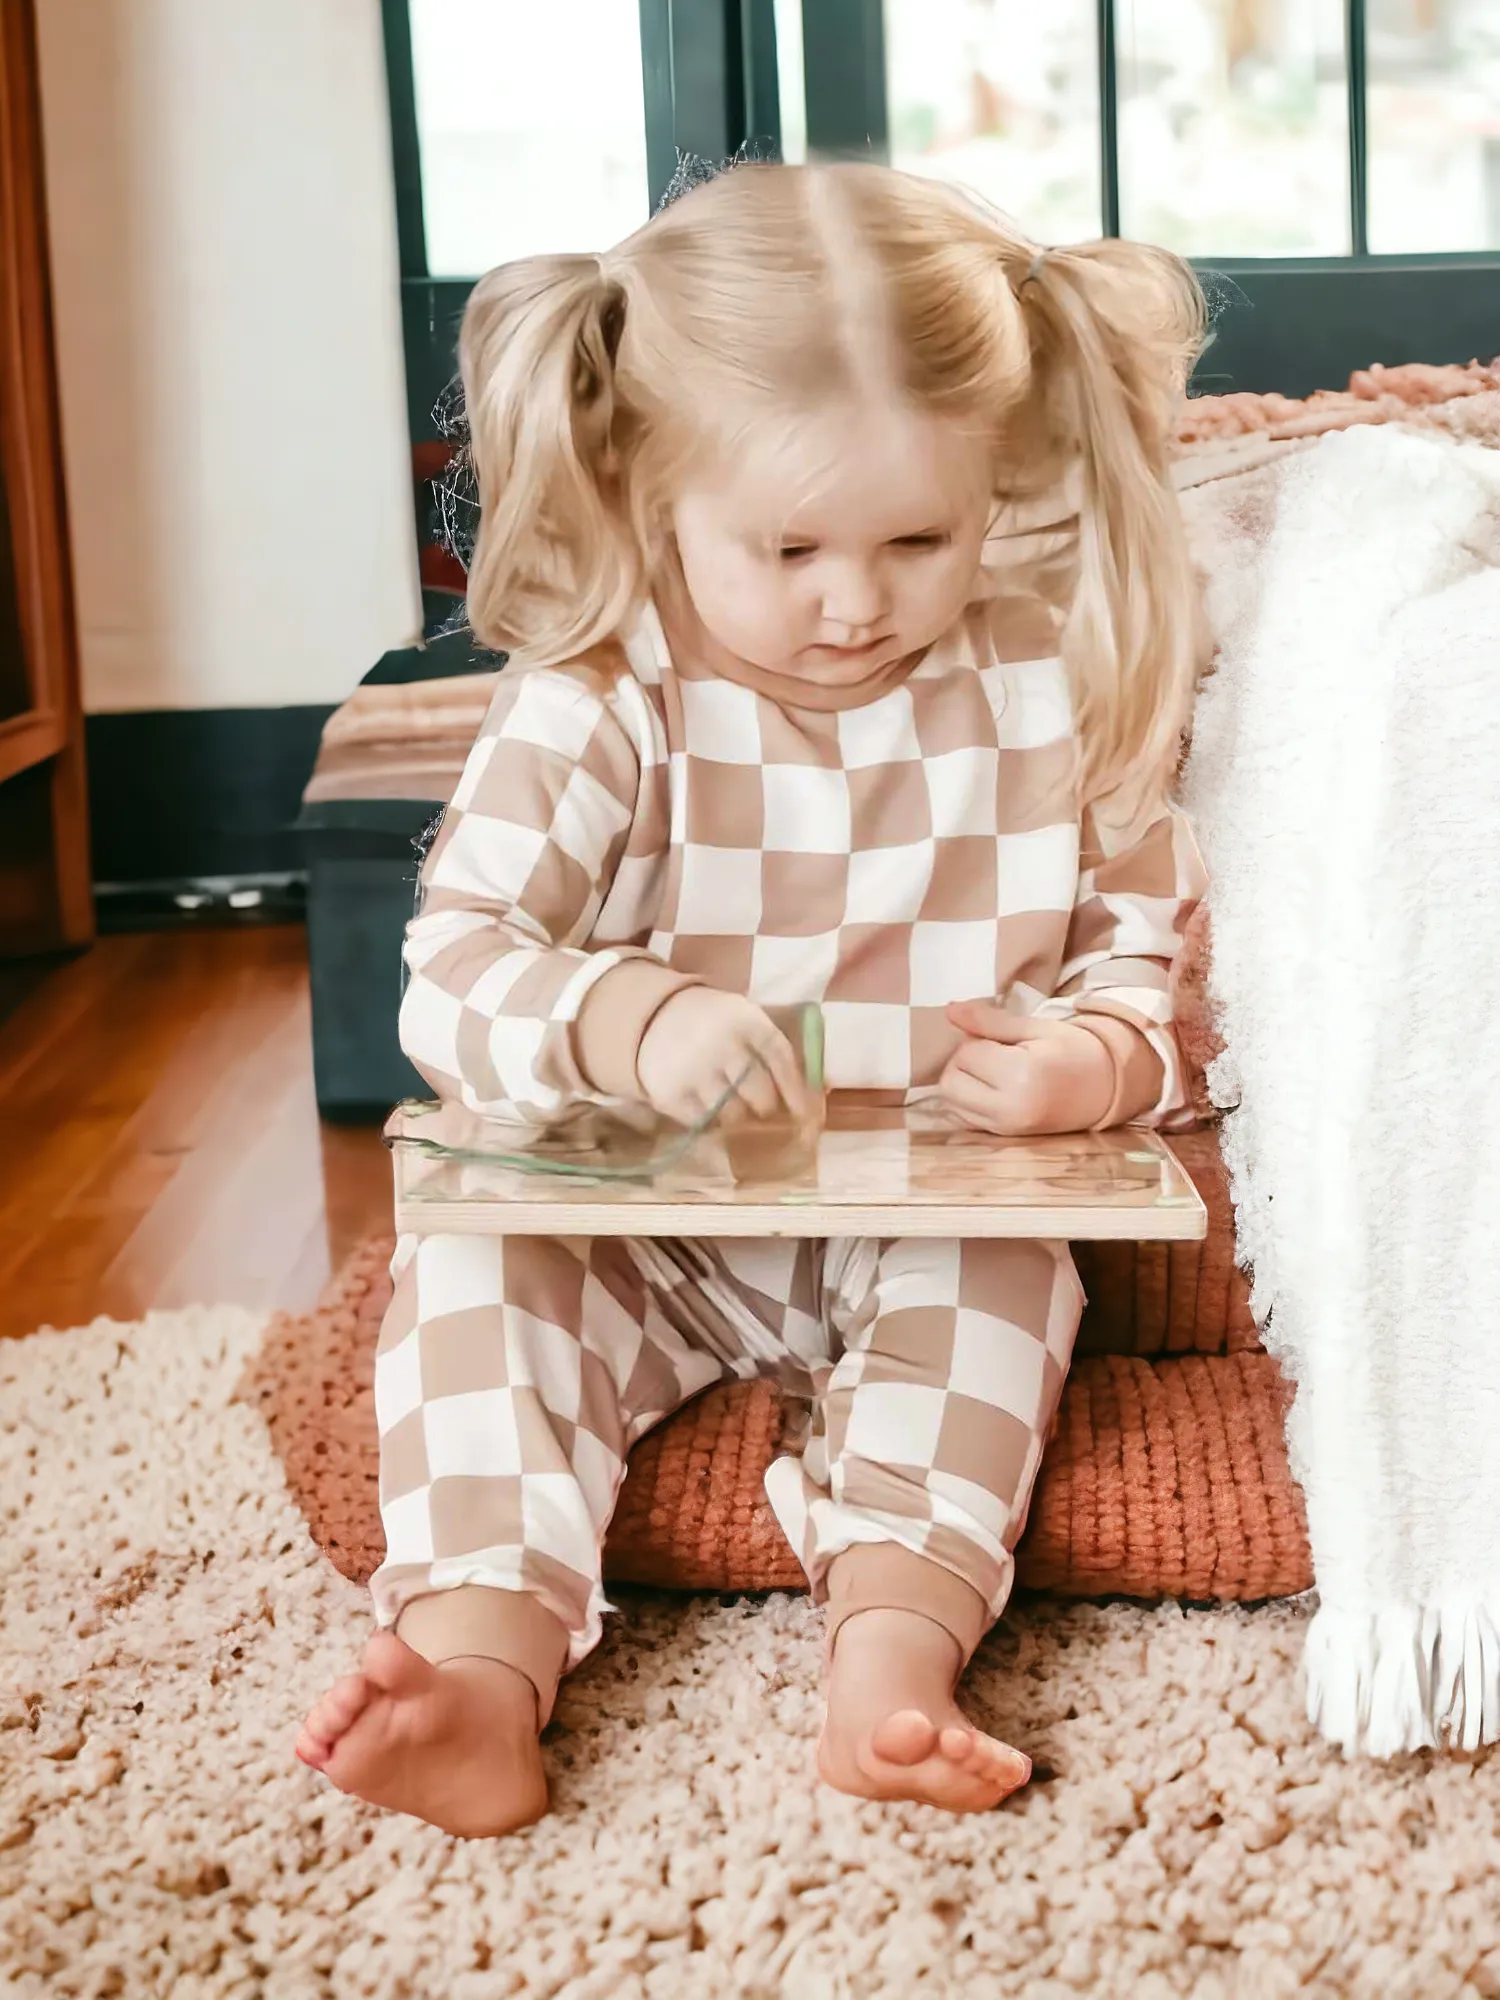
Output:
(852, 597)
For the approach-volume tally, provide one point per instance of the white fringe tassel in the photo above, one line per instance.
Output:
(1405, 1678)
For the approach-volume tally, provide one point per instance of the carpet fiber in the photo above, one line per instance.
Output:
(168, 1618)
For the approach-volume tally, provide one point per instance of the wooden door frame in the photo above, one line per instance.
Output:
(46, 894)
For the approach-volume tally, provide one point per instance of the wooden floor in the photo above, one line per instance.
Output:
(163, 1146)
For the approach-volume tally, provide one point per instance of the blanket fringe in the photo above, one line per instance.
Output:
(1405, 1678)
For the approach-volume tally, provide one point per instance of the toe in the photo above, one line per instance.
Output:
(961, 1746)
(338, 1709)
(345, 1699)
(312, 1750)
(907, 1737)
(1010, 1769)
(395, 1668)
(990, 1764)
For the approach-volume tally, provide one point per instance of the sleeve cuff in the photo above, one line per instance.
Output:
(612, 1022)
(1139, 1070)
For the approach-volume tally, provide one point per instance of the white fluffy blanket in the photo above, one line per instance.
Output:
(1344, 781)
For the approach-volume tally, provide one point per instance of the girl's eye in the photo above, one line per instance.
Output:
(932, 540)
(797, 551)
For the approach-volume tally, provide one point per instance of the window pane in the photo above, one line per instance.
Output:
(790, 88)
(532, 127)
(1000, 95)
(1003, 96)
(1234, 122)
(1434, 124)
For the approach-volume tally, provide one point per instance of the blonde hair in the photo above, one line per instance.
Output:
(590, 383)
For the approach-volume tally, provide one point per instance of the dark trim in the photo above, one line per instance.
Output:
(761, 76)
(693, 71)
(198, 792)
(431, 309)
(658, 84)
(1109, 120)
(1293, 326)
(843, 66)
(1359, 178)
(1299, 326)
(406, 150)
(220, 902)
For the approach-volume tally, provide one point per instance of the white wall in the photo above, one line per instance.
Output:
(225, 287)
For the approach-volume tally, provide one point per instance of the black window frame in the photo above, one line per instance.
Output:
(709, 77)
(710, 84)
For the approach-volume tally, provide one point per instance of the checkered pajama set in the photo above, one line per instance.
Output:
(635, 820)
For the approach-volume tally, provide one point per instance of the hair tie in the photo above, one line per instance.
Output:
(1033, 270)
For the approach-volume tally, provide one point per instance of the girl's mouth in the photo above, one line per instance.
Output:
(850, 652)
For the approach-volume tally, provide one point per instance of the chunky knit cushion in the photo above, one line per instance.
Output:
(1167, 1477)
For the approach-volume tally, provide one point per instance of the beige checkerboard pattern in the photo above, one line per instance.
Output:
(514, 1374)
(883, 860)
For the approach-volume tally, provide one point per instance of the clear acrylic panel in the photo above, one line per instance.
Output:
(1433, 124)
(866, 1171)
(1234, 126)
(532, 125)
(1001, 96)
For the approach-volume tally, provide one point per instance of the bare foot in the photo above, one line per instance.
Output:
(894, 1730)
(455, 1745)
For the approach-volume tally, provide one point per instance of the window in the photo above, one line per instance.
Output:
(1234, 126)
(530, 125)
(1004, 98)
(1433, 95)
(1333, 166)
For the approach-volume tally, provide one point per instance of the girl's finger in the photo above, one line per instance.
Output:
(975, 1016)
(976, 1100)
(990, 1021)
(972, 1122)
(700, 1103)
(781, 1067)
(992, 1064)
(756, 1092)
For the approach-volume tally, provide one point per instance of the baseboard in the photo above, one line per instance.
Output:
(200, 902)
(177, 794)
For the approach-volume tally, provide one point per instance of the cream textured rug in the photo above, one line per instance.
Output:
(167, 1619)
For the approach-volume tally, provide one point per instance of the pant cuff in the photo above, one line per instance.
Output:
(481, 1621)
(883, 1576)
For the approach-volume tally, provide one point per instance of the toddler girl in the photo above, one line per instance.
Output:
(777, 730)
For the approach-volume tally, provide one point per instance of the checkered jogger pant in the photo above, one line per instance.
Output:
(514, 1374)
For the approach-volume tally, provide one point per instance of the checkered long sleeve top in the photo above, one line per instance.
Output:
(883, 859)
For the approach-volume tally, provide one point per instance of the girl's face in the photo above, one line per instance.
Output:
(848, 544)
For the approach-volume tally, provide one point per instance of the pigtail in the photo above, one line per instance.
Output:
(1115, 328)
(555, 568)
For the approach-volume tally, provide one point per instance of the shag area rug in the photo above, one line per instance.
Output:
(168, 1617)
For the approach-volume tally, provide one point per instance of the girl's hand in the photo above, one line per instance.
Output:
(701, 1043)
(1019, 1076)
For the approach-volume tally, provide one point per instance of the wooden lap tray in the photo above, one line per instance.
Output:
(867, 1172)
